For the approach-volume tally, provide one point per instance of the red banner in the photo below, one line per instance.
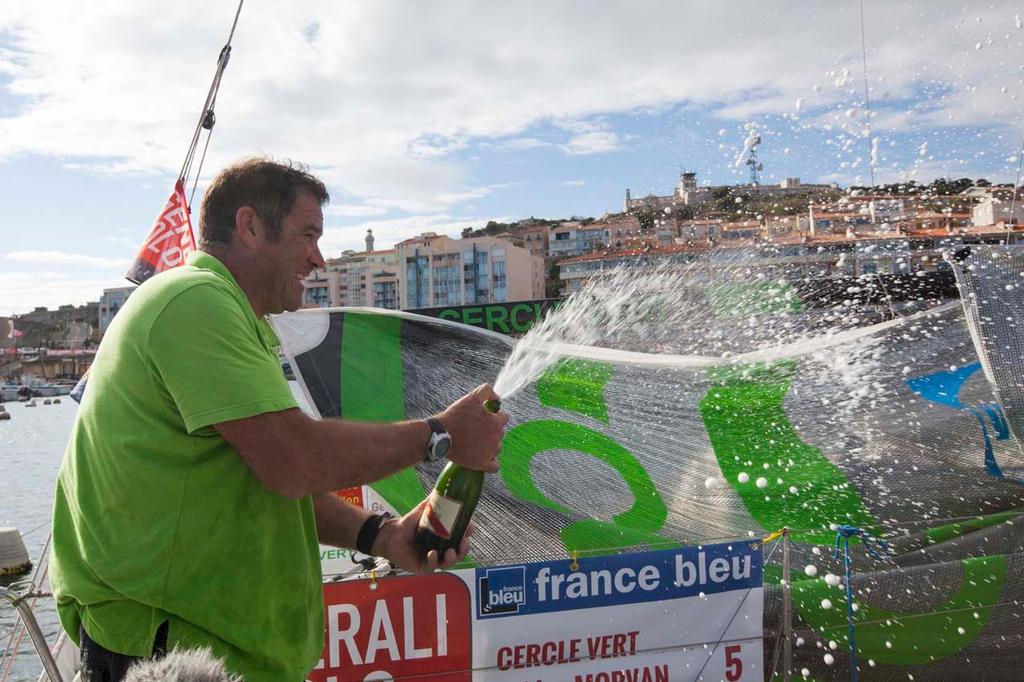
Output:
(406, 627)
(169, 242)
(353, 496)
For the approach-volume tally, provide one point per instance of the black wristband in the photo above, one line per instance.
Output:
(369, 532)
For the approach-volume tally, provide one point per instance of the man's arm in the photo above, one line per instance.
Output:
(338, 524)
(296, 456)
(337, 521)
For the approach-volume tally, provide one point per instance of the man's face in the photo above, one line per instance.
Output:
(295, 254)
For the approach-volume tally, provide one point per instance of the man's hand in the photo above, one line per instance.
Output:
(396, 543)
(476, 431)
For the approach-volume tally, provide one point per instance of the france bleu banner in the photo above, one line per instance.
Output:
(691, 613)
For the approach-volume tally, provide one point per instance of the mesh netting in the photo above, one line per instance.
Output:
(869, 415)
(989, 278)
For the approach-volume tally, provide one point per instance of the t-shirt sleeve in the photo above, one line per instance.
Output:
(209, 354)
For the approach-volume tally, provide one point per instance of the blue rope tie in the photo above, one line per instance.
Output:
(843, 535)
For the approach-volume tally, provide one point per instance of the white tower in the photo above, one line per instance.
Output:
(369, 241)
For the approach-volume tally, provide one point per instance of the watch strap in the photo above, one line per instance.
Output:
(436, 426)
(437, 430)
(369, 531)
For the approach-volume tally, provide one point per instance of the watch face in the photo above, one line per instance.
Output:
(442, 446)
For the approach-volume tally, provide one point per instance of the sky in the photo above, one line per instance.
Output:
(443, 115)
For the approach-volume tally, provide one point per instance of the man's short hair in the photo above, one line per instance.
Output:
(267, 186)
(182, 665)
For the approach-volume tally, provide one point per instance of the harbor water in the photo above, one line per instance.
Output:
(32, 443)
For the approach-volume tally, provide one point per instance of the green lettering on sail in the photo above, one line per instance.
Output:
(634, 527)
(749, 429)
(950, 531)
(372, 390)
(576, 385)
(914, 638)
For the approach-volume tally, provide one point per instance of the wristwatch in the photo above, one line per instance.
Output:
(440, 442)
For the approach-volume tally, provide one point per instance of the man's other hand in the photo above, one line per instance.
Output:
(397, 544)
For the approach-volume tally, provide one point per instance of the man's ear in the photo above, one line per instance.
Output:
(248, 227)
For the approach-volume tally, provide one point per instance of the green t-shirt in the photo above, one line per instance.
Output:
(156, 517)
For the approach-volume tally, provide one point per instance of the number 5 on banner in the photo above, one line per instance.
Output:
(733, 663)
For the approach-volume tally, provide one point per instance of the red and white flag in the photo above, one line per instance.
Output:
(169, 242)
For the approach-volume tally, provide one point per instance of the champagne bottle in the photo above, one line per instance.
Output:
(451, 505)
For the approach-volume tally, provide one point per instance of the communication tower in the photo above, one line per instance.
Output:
(755, 166)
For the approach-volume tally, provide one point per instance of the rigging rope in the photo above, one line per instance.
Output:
(19, 628)
(207, 118)
(867, 102)
(1016, 187)
(843, 535)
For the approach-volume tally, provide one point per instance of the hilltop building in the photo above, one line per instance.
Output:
(68, 327)
(687, 192)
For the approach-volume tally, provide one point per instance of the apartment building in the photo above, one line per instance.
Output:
(322, 287)
(535, 239)
(564, 240)
(436, 270)
(356, 279)
(999, 209)
(111, 301)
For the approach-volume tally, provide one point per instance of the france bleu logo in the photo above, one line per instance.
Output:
(501, 590)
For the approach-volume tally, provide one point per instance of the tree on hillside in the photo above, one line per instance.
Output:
(950, 186)
(552, 285)
(646, 217)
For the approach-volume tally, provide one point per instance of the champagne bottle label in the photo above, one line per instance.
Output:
(440, 515)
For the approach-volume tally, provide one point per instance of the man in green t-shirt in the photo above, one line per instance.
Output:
(194, 492)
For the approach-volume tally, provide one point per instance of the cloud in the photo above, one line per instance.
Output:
(62, 258)
(20, 292)
(516, 144)
(922, 170)
(580, 127)
(592, 143)
(574, 183)
(354, 210)
(435, 146)
(380, 97)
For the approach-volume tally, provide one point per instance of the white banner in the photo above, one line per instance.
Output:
(685, 614)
